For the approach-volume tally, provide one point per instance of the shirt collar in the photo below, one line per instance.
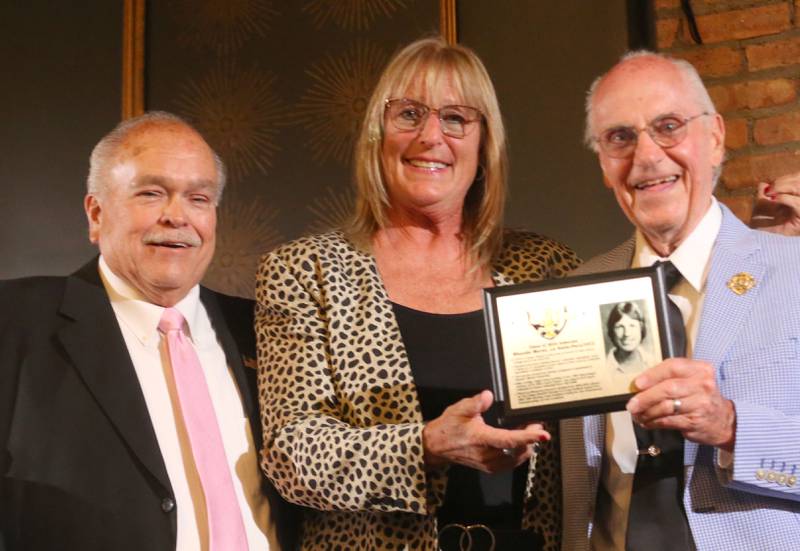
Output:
(693, 255)
(141, 316)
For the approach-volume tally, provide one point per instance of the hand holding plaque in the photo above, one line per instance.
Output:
(461, 436)
(574, 346)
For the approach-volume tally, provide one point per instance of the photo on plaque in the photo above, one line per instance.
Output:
(573, 346)
(628, 347)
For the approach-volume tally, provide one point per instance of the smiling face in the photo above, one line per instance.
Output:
(425, 170)
(155, 218)
(627, 333)
(663, 191)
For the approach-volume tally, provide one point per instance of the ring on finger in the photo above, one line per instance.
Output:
(676, 406)
(507, 452)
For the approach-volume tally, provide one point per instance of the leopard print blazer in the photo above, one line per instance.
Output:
(341, 419)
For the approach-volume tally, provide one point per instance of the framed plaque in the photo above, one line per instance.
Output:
(573, 346)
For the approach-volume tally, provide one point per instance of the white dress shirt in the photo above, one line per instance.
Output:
(138, 321)
(692, 258)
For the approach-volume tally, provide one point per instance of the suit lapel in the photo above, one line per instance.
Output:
(245, 377)
(724, 310)
(723, 313)
(97, 349)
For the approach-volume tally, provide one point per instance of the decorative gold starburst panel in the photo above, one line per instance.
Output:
(351, 14)
(330, 209)
(223, 26)
(333, 107)
(245, 231)
(239, 114)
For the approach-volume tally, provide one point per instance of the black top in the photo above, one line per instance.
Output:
(449, 360)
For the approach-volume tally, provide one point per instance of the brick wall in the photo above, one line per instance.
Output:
(750, 61)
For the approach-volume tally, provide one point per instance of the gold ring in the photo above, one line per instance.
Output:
(464, 533)
(484, 528)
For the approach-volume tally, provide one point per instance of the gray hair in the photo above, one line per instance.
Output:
(692, 78)
(103, 153)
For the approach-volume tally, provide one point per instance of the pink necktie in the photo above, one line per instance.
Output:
(225, 525)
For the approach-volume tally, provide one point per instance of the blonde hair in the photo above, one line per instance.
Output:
(427, 62)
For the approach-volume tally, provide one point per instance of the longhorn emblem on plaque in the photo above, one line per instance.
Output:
(550, 323)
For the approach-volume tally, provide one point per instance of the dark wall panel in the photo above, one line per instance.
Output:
(279, 90)
(542, 57)
(61, 91)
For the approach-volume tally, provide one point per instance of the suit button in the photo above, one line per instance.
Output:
(167, 504)
(653, 451)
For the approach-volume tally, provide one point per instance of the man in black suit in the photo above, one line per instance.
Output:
(95, 453)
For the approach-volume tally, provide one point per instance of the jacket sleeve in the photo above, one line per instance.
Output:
(324, 448)
(753, 340)
(766, 458)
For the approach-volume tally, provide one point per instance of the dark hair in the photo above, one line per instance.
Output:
(625, 309)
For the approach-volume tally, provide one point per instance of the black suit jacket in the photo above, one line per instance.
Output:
(80, 463)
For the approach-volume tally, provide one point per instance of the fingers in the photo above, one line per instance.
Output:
(762, 189)
(782, 192)
(474, 405)
(509, 439)
(509, 448)
(705, 419)
(790, 200)
(788, 183)
(460, 435)
(675, 378)
(684, 396)
(539, 427)
(507, 458)
(668, 369)
(666, 411)
(777, 205)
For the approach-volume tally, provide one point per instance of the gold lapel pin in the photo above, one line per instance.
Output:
(741, 283)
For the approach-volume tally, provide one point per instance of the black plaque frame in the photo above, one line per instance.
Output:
(509, 416)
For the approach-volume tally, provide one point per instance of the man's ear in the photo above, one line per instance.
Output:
(718, 139)
(94, 215)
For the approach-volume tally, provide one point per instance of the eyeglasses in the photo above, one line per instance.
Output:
(408, 115)
(667, 131)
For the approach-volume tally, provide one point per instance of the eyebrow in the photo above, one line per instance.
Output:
(156, 180)
(657, 117)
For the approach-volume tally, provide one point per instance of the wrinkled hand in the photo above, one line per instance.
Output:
(777, 206)
(459, 435)
(705, 416)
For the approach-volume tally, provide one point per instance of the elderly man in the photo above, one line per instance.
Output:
(712, 457)
(127, 405)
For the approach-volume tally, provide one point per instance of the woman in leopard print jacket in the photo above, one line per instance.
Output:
(372, 362)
